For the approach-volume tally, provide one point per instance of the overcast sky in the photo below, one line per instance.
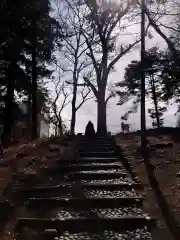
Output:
(114, 112)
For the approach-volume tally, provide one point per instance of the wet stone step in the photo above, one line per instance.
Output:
(138, 234)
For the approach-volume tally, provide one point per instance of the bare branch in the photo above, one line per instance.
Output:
(158, 30)
(84, 98)
(114, 61)
(91, 55)
(109, 97)
(120, 15)
(169, 27)
(56, 105)
(90, 84)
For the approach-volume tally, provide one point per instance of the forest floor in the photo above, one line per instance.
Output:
(21, 161)
(166, 162)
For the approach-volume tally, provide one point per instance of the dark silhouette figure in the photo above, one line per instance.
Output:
(90, 132)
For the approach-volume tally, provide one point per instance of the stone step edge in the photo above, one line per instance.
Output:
(126, 223)
(135, 186)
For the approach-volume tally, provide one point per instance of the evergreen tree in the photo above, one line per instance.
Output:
(154, 65)
(24, 23)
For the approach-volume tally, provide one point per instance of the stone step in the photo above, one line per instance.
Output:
(98, 159)
(92, 167)
(110, 160)
(86, 148)
(137, 234)
(119, 180)
(94, 194)
(81, 212)
(92, 183)
(93, 175)
(93, 224)
(83, 201)
(95, 139)
(81, 165)
(65, 186)
(97, 154)
(73, 193)
(95, 144)
(98, 174)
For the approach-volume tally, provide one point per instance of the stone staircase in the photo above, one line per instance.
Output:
(92, 197)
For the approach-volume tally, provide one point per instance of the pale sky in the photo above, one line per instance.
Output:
(114, 112)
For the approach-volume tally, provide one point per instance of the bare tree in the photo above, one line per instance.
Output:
(75, 59)
(58, 103)
(101, 28)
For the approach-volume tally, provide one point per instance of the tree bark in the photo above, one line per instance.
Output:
(29, 117)
(73, 118)
(60, 127)
(8, 111)
(101, 114)
(34, 92)
(153, 87)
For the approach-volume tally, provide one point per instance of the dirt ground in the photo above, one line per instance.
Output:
(19, 162)
(166, 162)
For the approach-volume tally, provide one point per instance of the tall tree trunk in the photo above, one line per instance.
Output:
(153, 88)
(101, 114)
(60, 127)
(29, 117)
(8, 111)
(73, 118)
(34, 92)
(56, 131)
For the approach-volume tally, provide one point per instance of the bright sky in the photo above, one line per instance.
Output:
(114, 112)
